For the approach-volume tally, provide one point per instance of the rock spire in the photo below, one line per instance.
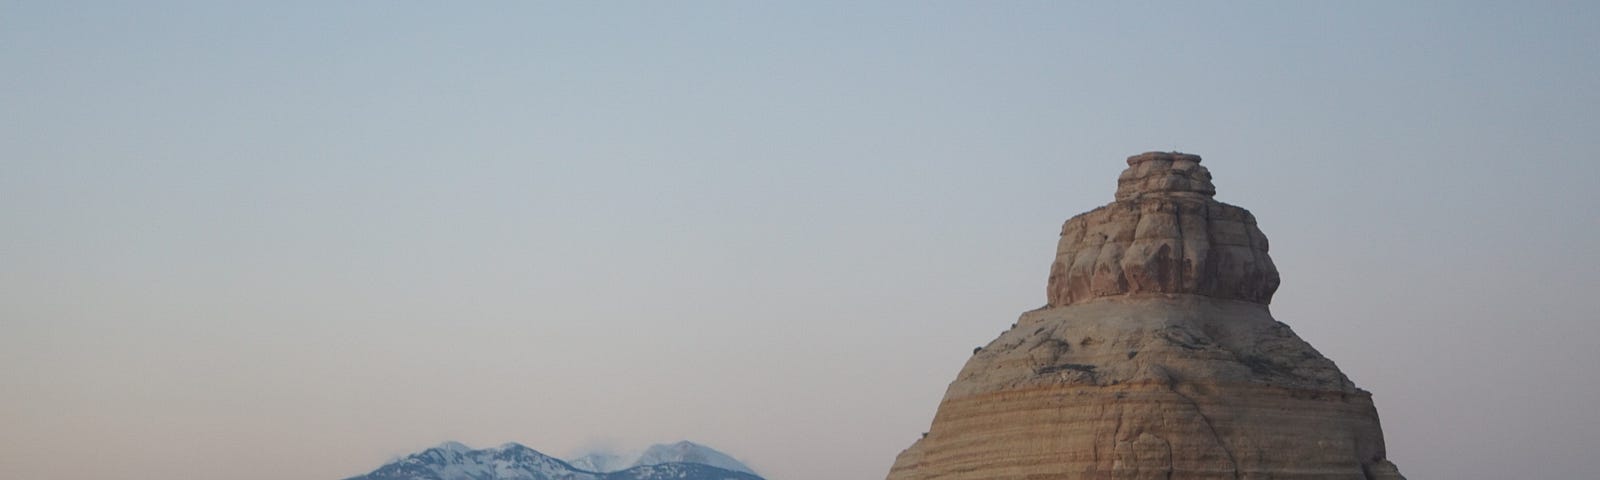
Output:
(1156, 357)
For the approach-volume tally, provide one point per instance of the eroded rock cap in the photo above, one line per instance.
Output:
(1163, 234)
(1155, 173)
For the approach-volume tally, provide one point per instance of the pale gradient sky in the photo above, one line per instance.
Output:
(295, 239)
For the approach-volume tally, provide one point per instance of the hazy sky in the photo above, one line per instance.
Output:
(294, 240)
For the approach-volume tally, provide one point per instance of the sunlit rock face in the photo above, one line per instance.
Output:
(1163, 234)
(1156, 358)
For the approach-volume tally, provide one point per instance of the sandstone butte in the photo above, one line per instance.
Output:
(1156, 357)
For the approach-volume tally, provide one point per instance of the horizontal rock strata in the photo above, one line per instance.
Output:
(1152, 386)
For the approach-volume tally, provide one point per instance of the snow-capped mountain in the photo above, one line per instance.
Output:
(690, 452)
(454, 461)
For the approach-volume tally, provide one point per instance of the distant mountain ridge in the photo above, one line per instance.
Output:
(680, 452)
(600, 462)
(513, 461)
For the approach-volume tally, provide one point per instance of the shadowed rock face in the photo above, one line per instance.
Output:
(1156, 358)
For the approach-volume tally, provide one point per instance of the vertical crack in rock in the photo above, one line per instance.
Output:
(1200, 412)
(1163, 283)
(1169, 459)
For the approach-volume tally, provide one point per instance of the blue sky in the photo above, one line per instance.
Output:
(334, 233)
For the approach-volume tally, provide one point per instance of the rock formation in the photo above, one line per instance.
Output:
(1155, 358)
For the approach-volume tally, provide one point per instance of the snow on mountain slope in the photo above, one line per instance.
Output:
(679, 471)
(454, 461)
(690, 452)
